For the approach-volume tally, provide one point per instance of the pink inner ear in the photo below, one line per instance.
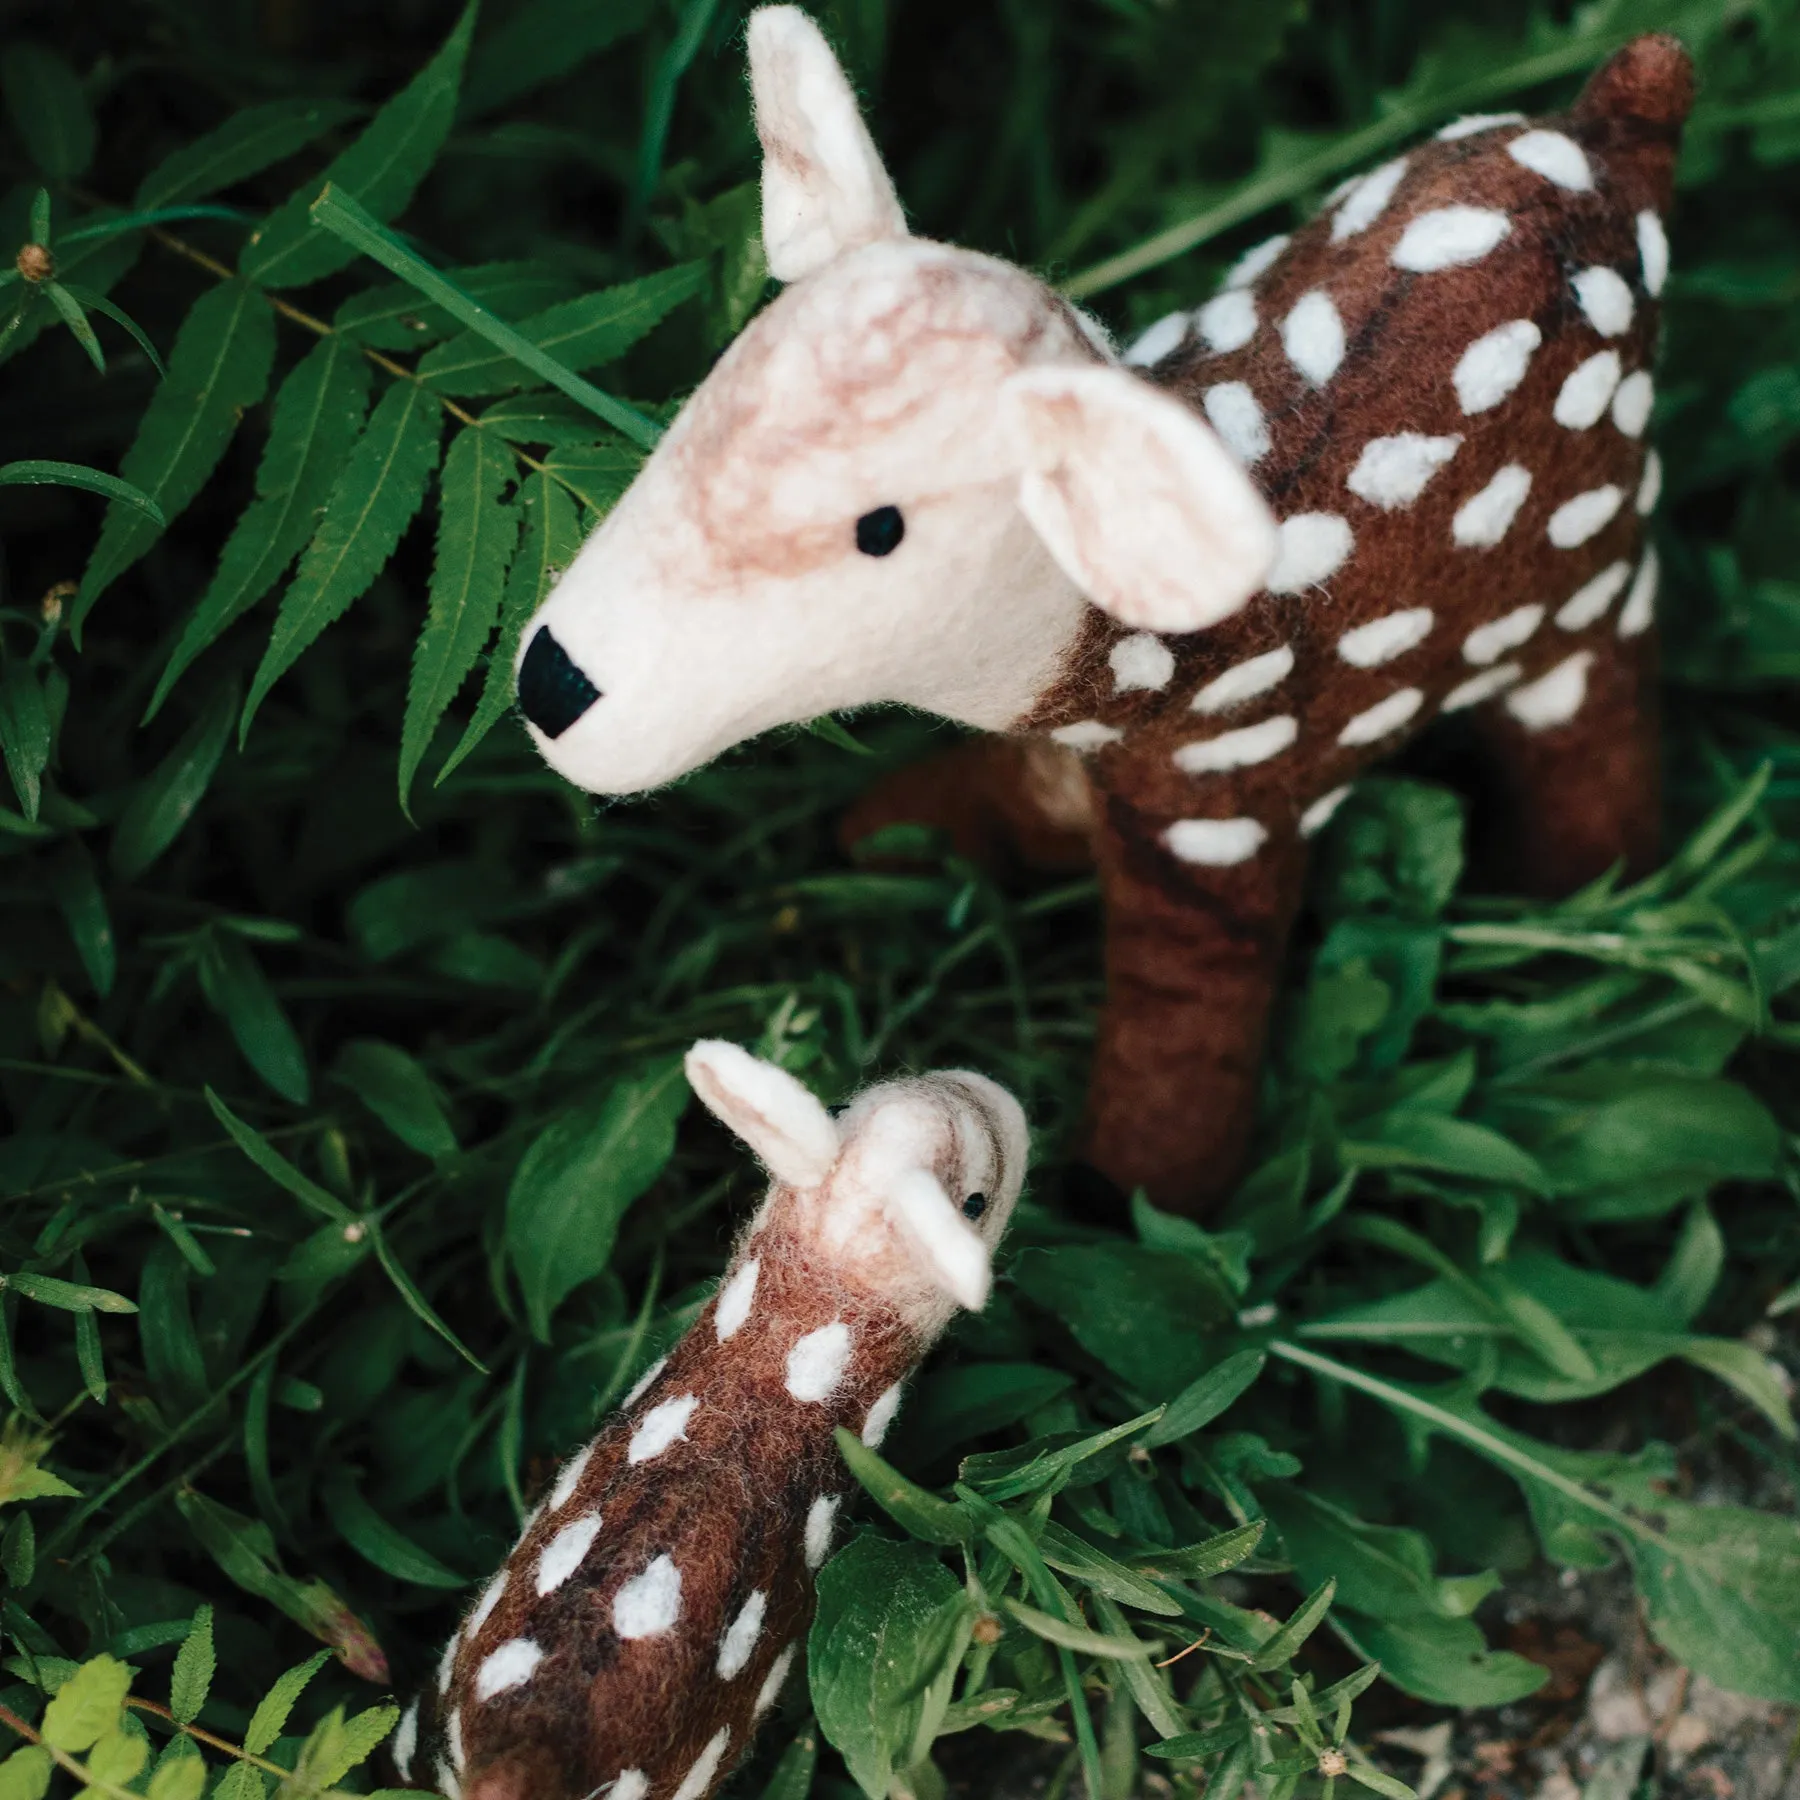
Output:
(783, 1123)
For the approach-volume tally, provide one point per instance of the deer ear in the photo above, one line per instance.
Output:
(791, 1133)
(1136, 497)
(958, 1261)
(824, 190)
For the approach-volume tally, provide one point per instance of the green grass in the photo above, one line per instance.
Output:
(320, 1237)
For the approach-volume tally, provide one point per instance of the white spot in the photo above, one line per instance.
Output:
(881, 1416)
(1384, 717)
(1366, 201)
(1577, 520)
(1215, 843)
(664, 1424)
(406, 1741)
(565, 1553)
(1313, 337)
(1381, 640)
(1240, 749)
(706, 1765)
(1653, 252)
(1392, 472)
(1228, 320)
(1311, 548)
(447, 1783)
(1650, 487)
(1245, 680)
(821, 1520)
(628, 1784)
(1234, 414)
(1495, 364)
(570, 1479)
(1553, 156)
(1481, 687)
(1640, 604)
(816, 1363)
(490, 1598)
(1320, 813)
(1141, 661)
(1255, 262)
(1605, 297)
(1552, 699)
(447, 1662)
(1086, 734)
(453, 1742)
(1488, 643)
(1592, 598)
(1471, 123)
(770, 1691)
(741, 1635)
(1632, 403)
(1449, 236)
(735, 1300)
(650, 1603)
(511, 1666)
(1168, 333)
(1584, 396)
(1485, 518)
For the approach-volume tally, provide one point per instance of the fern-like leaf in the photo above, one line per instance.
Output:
(317, 414)
(552, 536)
(596, 474)
(581, 334)
(477, 532)
(219, 366)
(396, 316)
(246, 144)
(377, 492)
(382, 169)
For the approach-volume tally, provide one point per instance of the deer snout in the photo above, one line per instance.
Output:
(553, 691)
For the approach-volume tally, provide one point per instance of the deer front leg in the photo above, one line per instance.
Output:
(1193, 952)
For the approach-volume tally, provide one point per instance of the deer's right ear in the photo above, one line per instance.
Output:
(782, 1122)
(1145, 509)
(824, 189)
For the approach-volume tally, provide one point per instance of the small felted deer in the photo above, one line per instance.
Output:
(1395, 469)
(655, 1603)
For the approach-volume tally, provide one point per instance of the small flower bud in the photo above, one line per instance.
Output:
(35, 262)
(987, 1629)
(1333, 1762)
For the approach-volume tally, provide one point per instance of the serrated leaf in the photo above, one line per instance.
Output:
(396, 316)
(337, 1745)
(237, 989)
(382, 169)
(378, 490)
(118, 1756)
(49, 109)
(551, 538)
(181, 1775)
(316, 418)
(156, 813)
(87, 1705)
(22, 1476)
(478, 529)
(244, 145)
(597, 474)
(393, 1086)
(272, 1710)
(25, 736)
(191, 1679)
(219, 366)
(544, 41)
(242, 1781)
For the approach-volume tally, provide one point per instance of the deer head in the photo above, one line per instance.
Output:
(905, 481)
(655, 1603)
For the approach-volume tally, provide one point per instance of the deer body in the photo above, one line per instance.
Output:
(1396, 469)
(656, 1601)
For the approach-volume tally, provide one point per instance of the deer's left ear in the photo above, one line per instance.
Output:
(792, 1134)
(824, 190)
(1137, 499)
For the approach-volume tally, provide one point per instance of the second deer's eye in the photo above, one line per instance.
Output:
(878, 533)
(974, 1206)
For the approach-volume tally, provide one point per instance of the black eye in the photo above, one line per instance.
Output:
(974, 1206)
(878, 533)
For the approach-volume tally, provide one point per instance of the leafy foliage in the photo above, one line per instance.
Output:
(349, 1178)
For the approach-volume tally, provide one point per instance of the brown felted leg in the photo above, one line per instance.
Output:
(1192, 957)
(1578, 798)
(1004, 803)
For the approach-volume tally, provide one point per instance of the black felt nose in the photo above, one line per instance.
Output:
(553, 693)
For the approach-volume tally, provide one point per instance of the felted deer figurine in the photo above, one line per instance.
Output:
(655, 1603)
(1395, 469)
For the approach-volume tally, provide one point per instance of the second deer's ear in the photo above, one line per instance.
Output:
(824, 189)
(1133, 494)
(791, 1133)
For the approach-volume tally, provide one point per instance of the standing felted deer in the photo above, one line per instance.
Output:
(1396, 468)
(654, 1605)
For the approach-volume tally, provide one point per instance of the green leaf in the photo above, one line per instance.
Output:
(1445, 1661)
(924, 1515)
(337, 1745)
(1198, 1562)
(378, 490)
(181, 1775)
(248, 142)
(242, 1781)
(219, 366)
(399, 1093)
(1377, 1782)
(172, 1357)
(271, 1715)
(1202, 1401)
(40, 473)
(120, 1753)
(277, 1167)
(49, 109)
(87, 1705)
(1073, 1637)
(25, 735)
(552, 537)
(239, 992)
(70, 872)
(317, 416)
(68, 1295)
(478, 529)
(1071, 1555)
(1694, 1266)
(596, 474)
(191, 1679)
(1277, 1649)
(793, 1777)
(25, 1775)
(385, 1545)
(22, 1476)
(416, 1302)
(395, 316)
(575, 1182)
(382, 168)
(541, 42)
(69, 309)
